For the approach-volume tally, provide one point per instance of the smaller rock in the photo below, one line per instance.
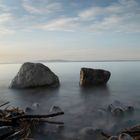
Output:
(130, 109)
(118, 112)
(93, 77)
(113, 138)
(125, 136)
(110, 108)
(55, 109)
(28, 110)
(36, 105)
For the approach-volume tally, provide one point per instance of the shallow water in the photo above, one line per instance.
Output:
(81, 106)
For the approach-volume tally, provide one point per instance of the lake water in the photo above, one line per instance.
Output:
(80, 105)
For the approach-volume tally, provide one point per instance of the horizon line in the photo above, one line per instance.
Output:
(65, 60)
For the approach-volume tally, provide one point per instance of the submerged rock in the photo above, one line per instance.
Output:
(117, 109)
(91, 77)
(33, 75)
(55, 109)
(130, 109)
(118, 112)
(125, 136)
(122, 136)
(35, 105)
(28, 110)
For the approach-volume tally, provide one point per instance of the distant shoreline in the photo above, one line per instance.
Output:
(69, 61)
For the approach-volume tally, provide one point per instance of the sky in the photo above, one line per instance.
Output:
(69, 29)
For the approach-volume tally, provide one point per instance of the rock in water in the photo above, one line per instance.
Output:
(35, 105)
(124, 136)
(91, 77)
(118, 112)
(55, 109)
(33, 75)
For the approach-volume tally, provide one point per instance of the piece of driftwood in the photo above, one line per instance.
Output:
(37, 116)
(21, 123)
(4, 104)
(15, 136)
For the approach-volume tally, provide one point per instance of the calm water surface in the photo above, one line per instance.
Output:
(80, 105)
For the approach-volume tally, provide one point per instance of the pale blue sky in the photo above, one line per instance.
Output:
(69, 29)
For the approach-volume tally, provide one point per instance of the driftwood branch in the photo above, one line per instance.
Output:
(21, 123)
(38, 116)
(15, 135)
(4, 104)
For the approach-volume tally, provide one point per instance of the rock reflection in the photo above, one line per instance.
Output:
(102, 90)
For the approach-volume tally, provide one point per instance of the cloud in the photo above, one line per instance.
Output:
(61, 24)
(41, 6)
(123, 16)
(5, 18)
(3, 8)
(91, 13)
(53, 15)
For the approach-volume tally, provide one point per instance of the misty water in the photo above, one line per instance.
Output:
(82, 106)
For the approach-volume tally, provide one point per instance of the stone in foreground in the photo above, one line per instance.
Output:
(32, 75)
(91, 77)
(125, 136)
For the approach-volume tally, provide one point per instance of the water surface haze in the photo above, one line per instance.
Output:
(83, 107)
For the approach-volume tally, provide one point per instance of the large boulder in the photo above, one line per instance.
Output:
(33, 75)
(91, 77)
